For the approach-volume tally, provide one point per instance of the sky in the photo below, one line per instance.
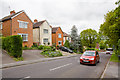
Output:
(84, 14)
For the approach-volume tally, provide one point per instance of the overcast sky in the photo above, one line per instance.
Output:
(64, 13)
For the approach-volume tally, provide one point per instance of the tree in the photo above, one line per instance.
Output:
(74, 39)
(67, 44)
(111, 26)
(102, 44)
(88, 38)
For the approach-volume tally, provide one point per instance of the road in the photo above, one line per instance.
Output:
(60, 68)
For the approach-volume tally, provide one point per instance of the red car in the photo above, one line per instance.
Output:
(90, 57)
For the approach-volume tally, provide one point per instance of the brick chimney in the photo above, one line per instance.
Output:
(12, 12)
(35, 21)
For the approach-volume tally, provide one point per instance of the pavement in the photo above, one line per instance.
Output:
(111, 70)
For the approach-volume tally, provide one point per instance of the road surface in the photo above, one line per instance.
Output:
(60, 68)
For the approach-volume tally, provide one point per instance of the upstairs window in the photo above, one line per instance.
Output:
(59, 35)
(23, 24)
(24, 36)
(45, 31)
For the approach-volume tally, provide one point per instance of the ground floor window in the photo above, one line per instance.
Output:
(24, 36)
(45, 40)
(59, 43)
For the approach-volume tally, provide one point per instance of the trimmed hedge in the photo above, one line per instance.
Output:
(13, 45)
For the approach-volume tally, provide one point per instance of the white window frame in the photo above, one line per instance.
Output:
(59, 35)
(60, 42)
(23, 24)
(45, 31)
(21, 34)
(44, 39)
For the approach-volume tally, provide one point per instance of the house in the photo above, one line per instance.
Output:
(66, 37)
(42, 33)
(18, 24)
(57, 36)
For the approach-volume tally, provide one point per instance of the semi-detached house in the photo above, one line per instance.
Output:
(18, 24)
(57, 36)
(42, 33)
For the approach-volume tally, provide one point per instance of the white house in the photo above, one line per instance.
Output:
(42, 33)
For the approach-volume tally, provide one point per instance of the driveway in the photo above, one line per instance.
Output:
(27, 55)
(32, 54)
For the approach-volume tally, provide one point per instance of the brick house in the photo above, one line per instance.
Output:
(66, 37)
(42, 33)
(57, 36)
(18, 24)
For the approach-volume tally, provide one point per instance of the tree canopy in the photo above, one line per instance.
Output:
(111, 26)
(88, 37)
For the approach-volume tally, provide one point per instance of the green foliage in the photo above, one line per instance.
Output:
(92, 49)
(13, 45)
(114, 58)
(51, 53)
(119, 46)
(79, 53)
(18, 59)
(111, 26)
(40, 47)
(34, 45)
(53, 48)
(47, 48)
(67, 44)
(102, 45)
(88, 38)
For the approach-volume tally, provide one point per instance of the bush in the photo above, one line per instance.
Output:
(40, 47)
(47, 48)
(53, 48)
(35, 45)
(13, 45)
(67, 44)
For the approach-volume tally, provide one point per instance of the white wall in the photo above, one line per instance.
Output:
(36, 35)
(45, 25)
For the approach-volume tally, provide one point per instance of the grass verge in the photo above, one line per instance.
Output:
(114, 58)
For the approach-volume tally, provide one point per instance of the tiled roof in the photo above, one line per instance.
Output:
(9, 16)
(65, 34)
(54, 29)
(36, 25)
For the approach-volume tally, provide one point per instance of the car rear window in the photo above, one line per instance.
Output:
(89, 54)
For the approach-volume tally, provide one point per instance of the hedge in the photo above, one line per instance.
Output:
(13, 45)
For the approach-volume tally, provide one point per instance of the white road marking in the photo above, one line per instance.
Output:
(25, 78)
(60, 67)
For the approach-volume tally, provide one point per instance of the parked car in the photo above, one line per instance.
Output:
(65, 49)
(90, 57)
(109, 51)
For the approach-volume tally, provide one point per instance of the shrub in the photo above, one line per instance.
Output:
(34, 45)
(40, 47)
(53, 48)
(67, 44)
(13, 45)
(48, 48)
